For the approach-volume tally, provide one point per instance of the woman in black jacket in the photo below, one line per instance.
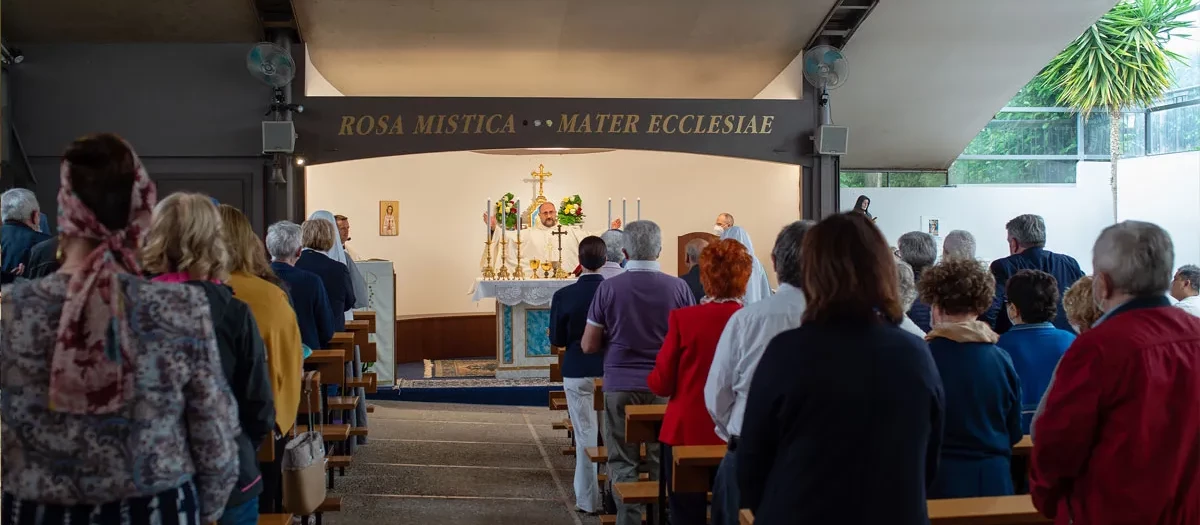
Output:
(843, 422)
(184, 245)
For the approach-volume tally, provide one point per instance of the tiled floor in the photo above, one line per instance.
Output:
(433, 464)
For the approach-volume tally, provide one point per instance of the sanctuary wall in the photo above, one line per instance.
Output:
(442, 198)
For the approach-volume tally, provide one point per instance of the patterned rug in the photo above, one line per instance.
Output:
(459, 368)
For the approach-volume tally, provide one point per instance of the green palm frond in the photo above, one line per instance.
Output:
(1120, 61)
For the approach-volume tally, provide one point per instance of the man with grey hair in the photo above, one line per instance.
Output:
(723, 222)
(21, 214)
(1185, 288)
(908, 296)
(305, 288)
(959, 244)
(628, 321)
(1027, 246)
(691, 256)
(614, 253)
(739, 349)
(1128, 384)
(919, 250)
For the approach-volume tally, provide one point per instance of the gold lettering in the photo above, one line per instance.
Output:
(655, 123)
(631, 123)
(616, 124)
(441, 119)
(424, 125)
(741, 118)
(467, 123)
(752, 125)
(683, 124)
(489, 124)
(452, 124)
(667, 122)
(600, 118)
(479, 124)
(766, 124)
(397, 126)
(383, 125)
(714, 121)
(586, 125)
(727, 126)
(567, 124)
(347, 125)
(365, 119)
(508, 126)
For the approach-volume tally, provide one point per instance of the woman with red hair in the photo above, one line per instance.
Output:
(682, 366)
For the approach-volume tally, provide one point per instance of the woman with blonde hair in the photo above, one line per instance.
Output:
(114, 409)
(184, 245)
(1081, 308)
(273, 312)
(319, 238)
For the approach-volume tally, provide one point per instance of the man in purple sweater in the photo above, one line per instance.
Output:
(628, 321)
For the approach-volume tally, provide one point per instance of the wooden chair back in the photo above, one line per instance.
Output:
(683, 242)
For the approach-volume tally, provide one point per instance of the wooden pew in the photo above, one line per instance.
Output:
(999, 510)
(642, 422)
(274, 519)
(368, 316)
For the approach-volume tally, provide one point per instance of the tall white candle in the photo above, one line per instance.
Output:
(487, 219)
(622, 212)
(639, 215)
(609, 212)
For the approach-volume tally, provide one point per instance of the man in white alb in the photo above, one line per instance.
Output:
(741, 346)
(541, 241)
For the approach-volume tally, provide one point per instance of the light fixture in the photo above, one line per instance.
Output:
(299, 161)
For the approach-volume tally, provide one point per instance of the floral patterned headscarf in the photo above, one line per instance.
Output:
(92, 366)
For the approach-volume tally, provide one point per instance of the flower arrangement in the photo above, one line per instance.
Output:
(570, 211)
(508, 203)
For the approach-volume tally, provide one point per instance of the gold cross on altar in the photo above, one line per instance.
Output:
(541, 175)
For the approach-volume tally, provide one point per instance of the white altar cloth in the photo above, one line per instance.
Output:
(522, 324)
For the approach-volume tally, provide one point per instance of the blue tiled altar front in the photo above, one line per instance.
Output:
(537, 326)
(506, 333)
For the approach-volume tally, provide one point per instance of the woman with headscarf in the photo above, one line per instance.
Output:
(862, 205)
(338, 253)
(758, 288)
(115, 407)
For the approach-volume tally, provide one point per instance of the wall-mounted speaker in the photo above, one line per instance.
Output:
(278, 136)
(832, 140)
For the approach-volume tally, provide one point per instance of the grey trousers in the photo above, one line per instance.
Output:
(624, 459)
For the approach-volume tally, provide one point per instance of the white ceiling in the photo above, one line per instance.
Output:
(927, 75)
(556, 48)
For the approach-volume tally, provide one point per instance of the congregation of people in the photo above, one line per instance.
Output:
(147, 357)
(156, 347)
(875, 378)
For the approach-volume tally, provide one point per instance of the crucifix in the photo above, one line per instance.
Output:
(541, 175)
(559, 232)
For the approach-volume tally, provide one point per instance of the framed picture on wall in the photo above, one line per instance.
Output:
(932, 226)
(389, 218)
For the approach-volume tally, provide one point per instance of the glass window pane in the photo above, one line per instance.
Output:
(1026, 134)
(1012, 171)
(1175, 130)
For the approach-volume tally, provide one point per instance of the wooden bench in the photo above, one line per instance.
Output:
(642, 422)
(693, 467)
(333, 433)
(999, 510)
(368, 316)
(338, 462)
(274, 519)
(331, 363)
(558, 400)
(637, 492)
(1023, 447)
(341, 402)
(600, 454)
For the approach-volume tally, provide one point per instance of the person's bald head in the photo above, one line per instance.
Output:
(692, 251)
(548, 214)
(725, 220)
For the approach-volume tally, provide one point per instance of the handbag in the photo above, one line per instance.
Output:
(303, 464)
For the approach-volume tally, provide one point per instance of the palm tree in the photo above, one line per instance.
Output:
(1118, 63)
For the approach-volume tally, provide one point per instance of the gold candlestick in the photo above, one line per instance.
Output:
(489, 273)
(559, 272)
(503, 273)
(519, 272)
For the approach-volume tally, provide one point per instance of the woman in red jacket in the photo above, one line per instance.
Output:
(681, 369)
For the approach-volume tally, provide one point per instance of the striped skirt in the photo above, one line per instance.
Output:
(172, 507)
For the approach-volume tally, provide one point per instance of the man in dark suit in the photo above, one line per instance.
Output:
(692, 258)
(568, 318)
(1027, 244)
(20, 232)
(305, 288)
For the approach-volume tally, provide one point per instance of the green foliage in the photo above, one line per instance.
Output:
(1121, 61)
(895, 179)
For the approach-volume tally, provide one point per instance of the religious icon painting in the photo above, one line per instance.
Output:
(932, 226)
(389, 218)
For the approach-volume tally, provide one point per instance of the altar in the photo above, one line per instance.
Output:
(522, 324)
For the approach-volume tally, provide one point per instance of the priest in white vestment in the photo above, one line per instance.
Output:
(541, 242)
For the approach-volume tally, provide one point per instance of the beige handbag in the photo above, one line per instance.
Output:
(304, 466)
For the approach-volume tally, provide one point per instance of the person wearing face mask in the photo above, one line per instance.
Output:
(1118, 429)
(724, 222)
